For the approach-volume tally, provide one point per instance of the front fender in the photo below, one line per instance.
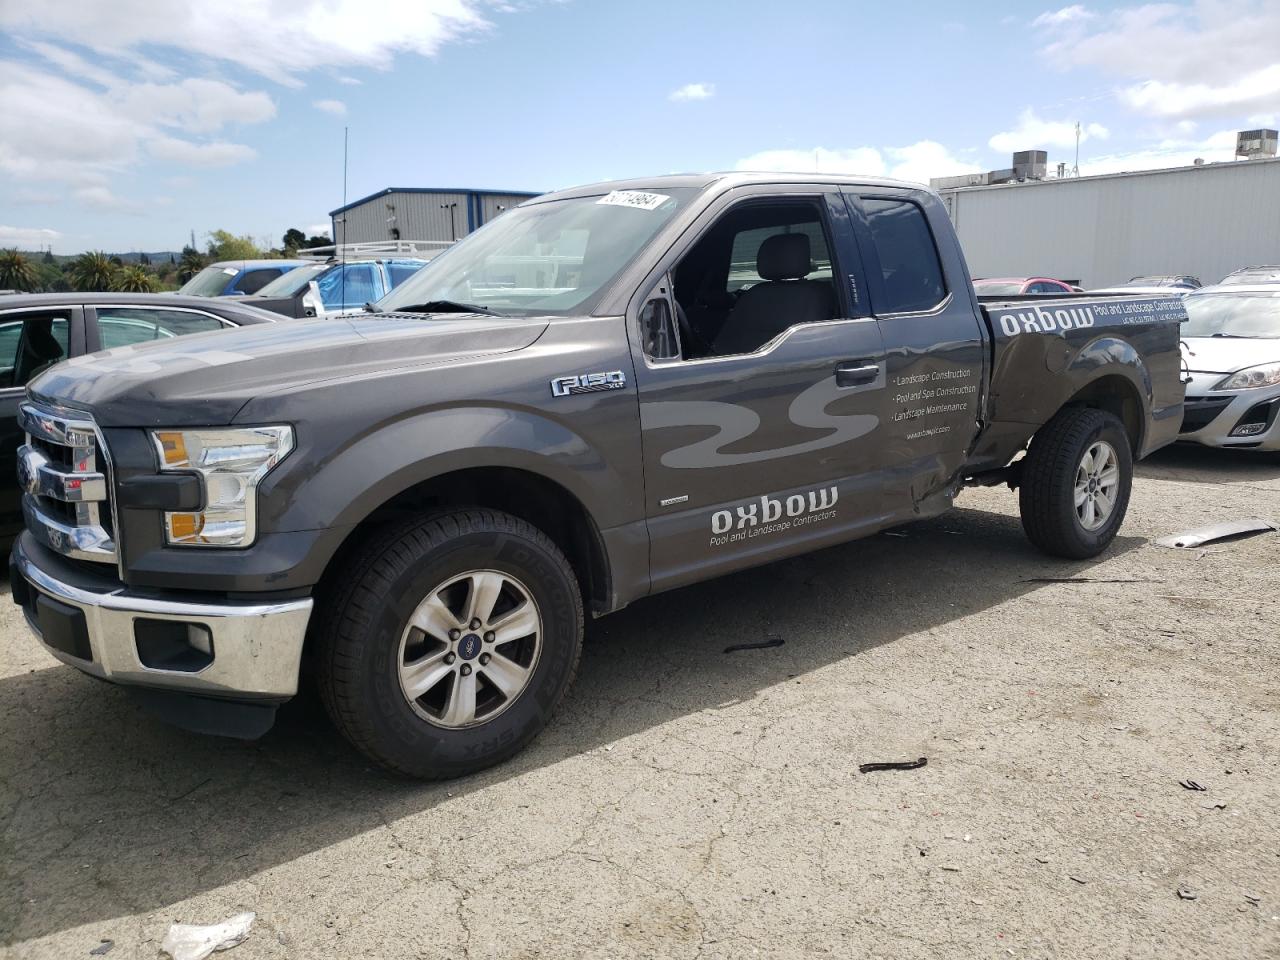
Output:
(356, 479)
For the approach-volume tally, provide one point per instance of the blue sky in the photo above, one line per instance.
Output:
(125, 129)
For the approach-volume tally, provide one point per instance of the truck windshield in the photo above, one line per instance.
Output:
(1233, 315)
(543, 259)
(287, 284)
(209, 282)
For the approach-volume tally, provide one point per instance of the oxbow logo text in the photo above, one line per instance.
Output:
(1038, 320)
(769, 515)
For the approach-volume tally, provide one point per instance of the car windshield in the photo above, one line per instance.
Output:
(209, 282)
(544, 259)
(1233, 315)
(996, 289)
(286, 285)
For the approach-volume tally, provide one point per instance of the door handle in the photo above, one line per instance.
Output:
(856, 373)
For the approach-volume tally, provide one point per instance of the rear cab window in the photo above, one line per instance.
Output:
(910, 269)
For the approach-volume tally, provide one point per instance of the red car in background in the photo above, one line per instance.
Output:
(1015, 286)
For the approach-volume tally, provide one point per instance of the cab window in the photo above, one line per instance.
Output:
(759, 270)
(123, 326)
(30, 344)
(352, 285)
(909, 264)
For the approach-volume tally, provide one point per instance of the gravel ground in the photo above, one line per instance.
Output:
(689, 803)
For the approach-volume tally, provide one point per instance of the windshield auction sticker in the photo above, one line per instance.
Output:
(636, 199)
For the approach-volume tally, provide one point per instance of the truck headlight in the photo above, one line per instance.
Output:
(1263, 375)
(230, 463)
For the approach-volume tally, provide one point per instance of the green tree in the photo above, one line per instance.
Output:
(316, 241)
(48, 257)
(93, 271)
(134, 279)
(227, 246)
(191, 263)
(144, 260)
(16, 272)
(293, 241)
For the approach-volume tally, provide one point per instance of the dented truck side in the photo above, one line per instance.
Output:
(609, 392)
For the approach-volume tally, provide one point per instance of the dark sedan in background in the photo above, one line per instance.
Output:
(37, 330)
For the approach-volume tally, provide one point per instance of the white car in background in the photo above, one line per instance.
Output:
(1232, 350)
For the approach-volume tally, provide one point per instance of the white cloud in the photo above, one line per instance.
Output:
(27, 238)
(218, 153)
(693, 91)
(101, 198)
(1206, 58)
(335, 107)
(350, 81)
(917, 162)
(1217, 148)
(318, 229)
(196, 105)
(1076, 13)
(81, 130)
(275, 40)
(1258, 88)
(924, 160)
(1034, 133)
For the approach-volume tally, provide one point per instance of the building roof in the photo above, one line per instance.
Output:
(1216, 165)
(481, 192)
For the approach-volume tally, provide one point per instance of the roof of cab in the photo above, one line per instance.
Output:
(724, 181)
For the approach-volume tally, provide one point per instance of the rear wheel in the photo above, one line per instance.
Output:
(1076, 481)
(448, 645)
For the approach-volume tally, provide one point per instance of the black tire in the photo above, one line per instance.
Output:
(1046, 494)
(360, 626)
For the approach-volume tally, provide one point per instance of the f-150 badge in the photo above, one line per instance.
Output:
(588, 383)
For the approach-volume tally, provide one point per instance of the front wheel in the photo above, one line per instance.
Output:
(1076, 481)
(448, 645)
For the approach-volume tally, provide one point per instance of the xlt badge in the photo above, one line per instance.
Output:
(588, 383)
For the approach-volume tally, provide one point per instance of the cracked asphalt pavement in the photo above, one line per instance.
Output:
(692, 803)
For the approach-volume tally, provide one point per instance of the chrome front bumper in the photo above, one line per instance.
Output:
(255, 648)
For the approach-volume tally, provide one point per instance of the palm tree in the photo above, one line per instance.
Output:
(16, 272)
(190, 264)
(93, 271)
(133, 279)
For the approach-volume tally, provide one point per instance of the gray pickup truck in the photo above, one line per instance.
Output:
(606, 393)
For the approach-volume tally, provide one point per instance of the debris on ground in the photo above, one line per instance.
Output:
(756, 645)
(1253, 899)
(1186, 893)
(1191, 785)
(1079, 880)
(893, 765)
(1089, 580)
(1225, 530)
(103, 948)
(186, 941)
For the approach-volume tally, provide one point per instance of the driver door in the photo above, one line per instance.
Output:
(771, 450)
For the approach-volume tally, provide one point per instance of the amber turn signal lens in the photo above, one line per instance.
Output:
(173, 448)
(185, 526)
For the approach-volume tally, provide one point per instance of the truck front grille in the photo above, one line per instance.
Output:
(64, 474)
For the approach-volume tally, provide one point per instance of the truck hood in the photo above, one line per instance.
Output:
(207, 378)
(1229, 354)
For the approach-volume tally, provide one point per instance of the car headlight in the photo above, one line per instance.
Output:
(230, 463)
(1263, 375)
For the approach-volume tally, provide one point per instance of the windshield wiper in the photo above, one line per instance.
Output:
(1231, 336)
(447, 306)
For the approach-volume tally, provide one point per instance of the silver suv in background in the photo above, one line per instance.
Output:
(237, 278)
(1233, 353)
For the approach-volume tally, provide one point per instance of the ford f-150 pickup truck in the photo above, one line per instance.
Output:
(606, 393)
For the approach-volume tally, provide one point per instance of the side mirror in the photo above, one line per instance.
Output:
(312, 304)
(657, 331)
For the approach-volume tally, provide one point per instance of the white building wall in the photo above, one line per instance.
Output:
(1097, 231)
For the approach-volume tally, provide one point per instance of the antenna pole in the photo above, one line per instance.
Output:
(342, 250)
(1076, 169)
